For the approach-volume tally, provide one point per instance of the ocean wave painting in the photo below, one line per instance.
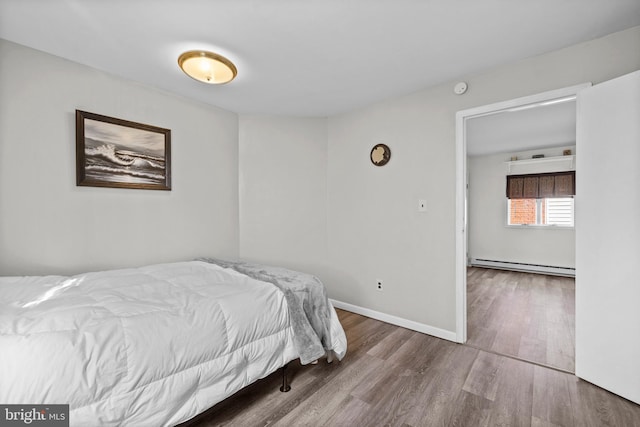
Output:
(117, 155)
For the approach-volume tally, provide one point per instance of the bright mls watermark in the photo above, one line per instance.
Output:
(34, 415)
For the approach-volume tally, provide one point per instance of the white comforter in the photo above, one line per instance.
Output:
(142, 347)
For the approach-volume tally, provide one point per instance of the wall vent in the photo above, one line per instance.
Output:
(521, 266)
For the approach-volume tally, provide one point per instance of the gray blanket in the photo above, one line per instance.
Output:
(306, 297)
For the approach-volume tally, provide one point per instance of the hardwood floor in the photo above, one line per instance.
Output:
(396, 377)
(525, 315)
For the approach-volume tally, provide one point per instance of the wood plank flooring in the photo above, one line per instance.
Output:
(525, 315)
(396, 377)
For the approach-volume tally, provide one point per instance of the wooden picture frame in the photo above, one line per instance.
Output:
(119, 153)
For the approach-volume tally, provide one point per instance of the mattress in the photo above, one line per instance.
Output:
(148, 346)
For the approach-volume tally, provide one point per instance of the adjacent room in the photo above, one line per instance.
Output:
(521, 287)
(250, 213)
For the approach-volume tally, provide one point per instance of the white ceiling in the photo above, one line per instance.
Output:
(308, 57)
(527, 129)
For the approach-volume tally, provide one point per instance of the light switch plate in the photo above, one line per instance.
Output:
(422, 205)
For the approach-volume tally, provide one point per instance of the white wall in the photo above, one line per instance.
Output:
(374, 229)
(489, 236)
(49, 225)
(283, 191)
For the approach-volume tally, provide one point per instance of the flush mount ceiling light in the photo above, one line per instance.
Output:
(207, 67)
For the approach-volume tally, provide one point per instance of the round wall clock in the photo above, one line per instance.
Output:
(380, 154)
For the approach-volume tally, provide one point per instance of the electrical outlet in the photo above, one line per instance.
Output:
(379, 285)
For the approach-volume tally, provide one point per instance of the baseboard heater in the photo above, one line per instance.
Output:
(521, 266)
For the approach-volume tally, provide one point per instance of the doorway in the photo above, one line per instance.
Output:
(463, 119)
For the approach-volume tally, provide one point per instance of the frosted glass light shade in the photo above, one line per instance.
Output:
(207, 67)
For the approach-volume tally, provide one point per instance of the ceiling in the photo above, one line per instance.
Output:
(522, 129)
(308, 57)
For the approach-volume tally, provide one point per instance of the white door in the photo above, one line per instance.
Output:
(607, 209)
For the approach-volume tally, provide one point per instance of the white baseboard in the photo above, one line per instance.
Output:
(398, 321)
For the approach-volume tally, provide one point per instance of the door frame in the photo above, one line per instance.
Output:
(461, 185)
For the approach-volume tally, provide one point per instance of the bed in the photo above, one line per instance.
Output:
(157, 345)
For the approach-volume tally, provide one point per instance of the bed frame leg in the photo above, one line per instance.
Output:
(285, 385)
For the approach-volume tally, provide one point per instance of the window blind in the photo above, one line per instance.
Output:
(541, 185)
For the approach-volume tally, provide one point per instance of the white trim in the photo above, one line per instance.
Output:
(394, 320)
(539, 98)
(461, 225)
(461, 200)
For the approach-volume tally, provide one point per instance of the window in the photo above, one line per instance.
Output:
(557, 211)
(542, 199)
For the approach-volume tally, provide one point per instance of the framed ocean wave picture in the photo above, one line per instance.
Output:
(119, 153)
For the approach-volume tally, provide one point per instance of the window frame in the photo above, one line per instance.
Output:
(539, 202)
